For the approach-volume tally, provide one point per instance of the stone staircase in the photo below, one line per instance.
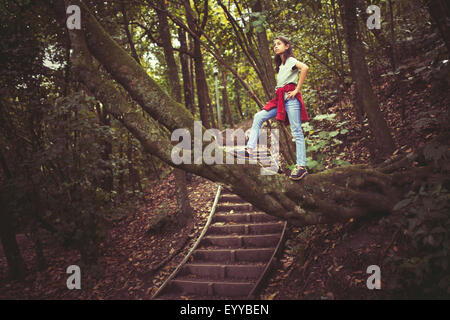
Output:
(231, 257)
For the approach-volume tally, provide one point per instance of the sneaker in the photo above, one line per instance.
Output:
(298, 173)
(244, 154)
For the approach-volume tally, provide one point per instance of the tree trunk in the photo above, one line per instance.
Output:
(225, 101)
(121, 175)
(184, 208)
(192, 69)
(440, 13)
(238, 103)
(107, 181)
(127, 32)
(393, 50)
(16, 264)
(340, 79)
(132, 173)
(360, 75)
(40, 258)
(186, 71)
(204, 103)
(265, 63)
(237, 88)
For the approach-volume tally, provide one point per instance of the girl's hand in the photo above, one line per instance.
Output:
(292, 94)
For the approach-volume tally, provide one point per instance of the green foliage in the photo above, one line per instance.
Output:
(425, 219)
(60, 181)
(258, 21)
(69, 174)
(320, 144)
(77, 204)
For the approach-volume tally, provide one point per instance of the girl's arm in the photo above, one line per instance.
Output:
(304, 70)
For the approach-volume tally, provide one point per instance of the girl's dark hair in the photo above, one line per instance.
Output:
(288, 53)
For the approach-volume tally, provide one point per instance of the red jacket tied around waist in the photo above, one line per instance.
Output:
(278, 102)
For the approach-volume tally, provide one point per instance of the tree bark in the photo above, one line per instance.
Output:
(238, 103)
(186, 71)
(127, 32)
(204, 102)
(341, 81)
(16, 264)
(265, 61)
(393, 50)
(133, 173)
(121, 175)
(360, 75)
(107, 181)
(225, 100)
(184, 208)
(440, 13)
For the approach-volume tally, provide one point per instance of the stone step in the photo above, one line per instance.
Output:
(237, 241)
(210, 288)
(245, 229)
(232, 255)
(221, 271)
(243, 217)
(227, 207)
(229, 197)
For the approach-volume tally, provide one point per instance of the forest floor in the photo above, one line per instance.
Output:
(318, 262)
(133, 262)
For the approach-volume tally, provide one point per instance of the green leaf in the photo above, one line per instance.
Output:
(334, 133)
(321, 117)
(311, 164)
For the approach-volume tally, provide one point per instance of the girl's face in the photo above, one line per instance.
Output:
(279, 46)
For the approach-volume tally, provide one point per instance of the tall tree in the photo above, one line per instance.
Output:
(204, 101)
(184, 208)
(225, 100)
(16, 264)
(127, 31)
(186, 70)
(361, 77)
(440, 12)
(265, 61)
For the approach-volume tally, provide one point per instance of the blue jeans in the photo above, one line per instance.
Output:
(293, 112)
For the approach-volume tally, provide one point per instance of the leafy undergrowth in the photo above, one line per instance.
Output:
(127, 257)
